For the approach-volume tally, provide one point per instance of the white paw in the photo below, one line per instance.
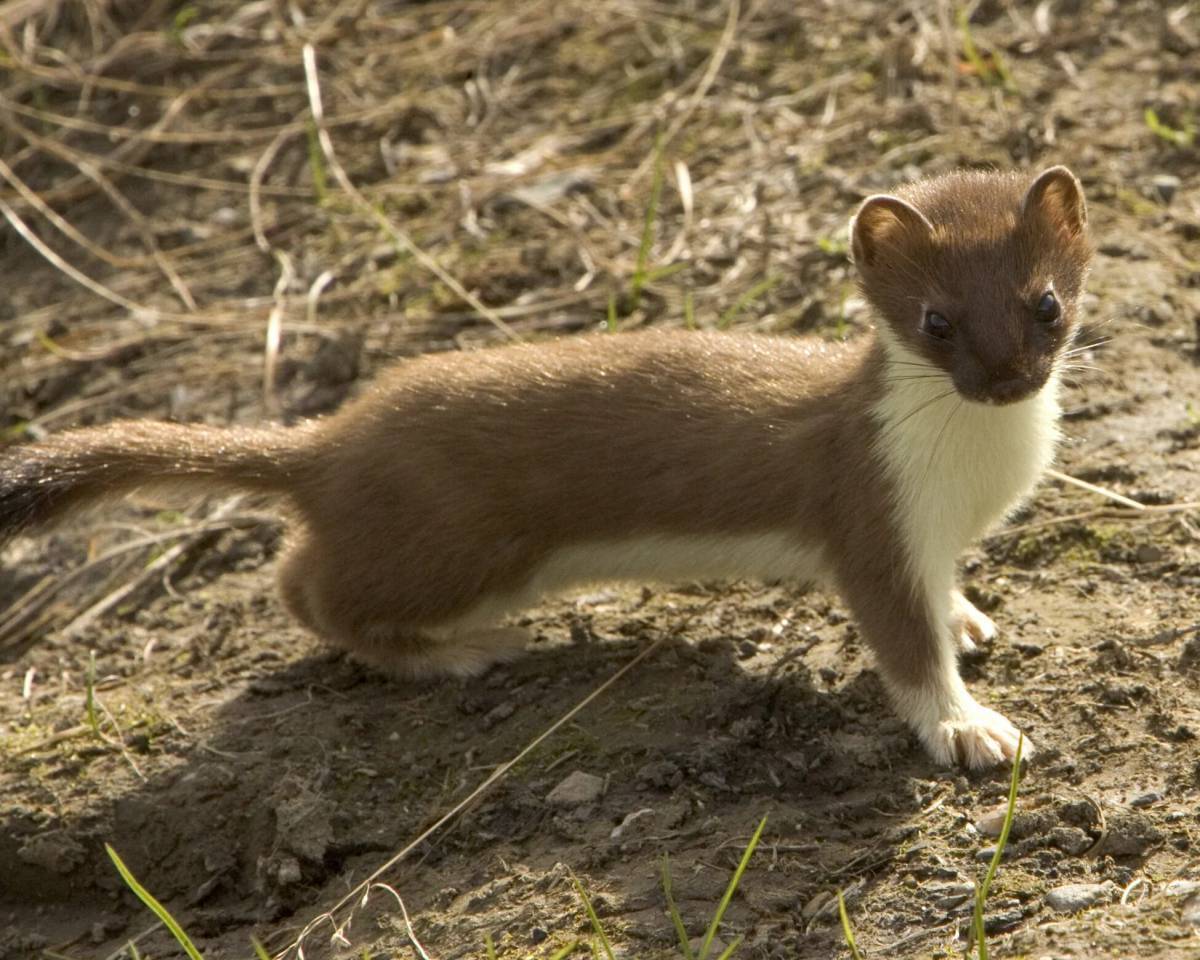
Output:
(970, 626)
(978, 738)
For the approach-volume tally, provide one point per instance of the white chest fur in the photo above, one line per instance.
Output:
(958, 467)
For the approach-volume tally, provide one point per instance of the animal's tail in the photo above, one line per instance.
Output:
(41, 482)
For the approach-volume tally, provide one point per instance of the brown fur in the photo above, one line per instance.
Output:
(455, 478)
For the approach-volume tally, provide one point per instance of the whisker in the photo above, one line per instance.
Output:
(937, 441)
(895, 425)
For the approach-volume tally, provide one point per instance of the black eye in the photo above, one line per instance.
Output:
(936, 325)
(1048, 309)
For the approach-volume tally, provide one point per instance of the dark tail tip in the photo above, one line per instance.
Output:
(29, 495)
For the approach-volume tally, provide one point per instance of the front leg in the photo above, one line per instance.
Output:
(909, 628)
(968, 625)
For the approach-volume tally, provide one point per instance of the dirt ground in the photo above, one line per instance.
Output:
(178, 245)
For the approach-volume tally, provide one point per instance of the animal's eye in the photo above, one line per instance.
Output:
(1048, 309)
(937, 326)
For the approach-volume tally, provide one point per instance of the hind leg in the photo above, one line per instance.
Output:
(353, 609)
(416, 655)
(295, 574)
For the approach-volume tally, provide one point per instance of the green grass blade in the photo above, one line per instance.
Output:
(729, 891)
(661, 273)
(1181, 138)
(316, 165)
(611, 319)
(689, 310)
(640, 275)
(90, 702)
(680, 931)
(982, 892)
(728, 951)
(259, 950)
(489, 946)
(747, 298)
(156, 908)
(587, 905)
(566, 951)
(847, 931)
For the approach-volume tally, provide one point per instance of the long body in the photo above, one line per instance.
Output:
(461, 488)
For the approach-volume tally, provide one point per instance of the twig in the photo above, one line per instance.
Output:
(1093, 488)
(499, 774)
(78, 276)
(706, 81)
(256, 182)
(1144, 513)
(274, 333)
(398, 236)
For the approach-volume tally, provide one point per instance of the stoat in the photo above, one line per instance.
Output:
(461, 488)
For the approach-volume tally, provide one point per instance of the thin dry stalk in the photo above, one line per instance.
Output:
(1095, 488)
(708, 78)
(496, 776)
(398, 236)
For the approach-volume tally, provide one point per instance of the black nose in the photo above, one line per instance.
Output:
(1006, 391)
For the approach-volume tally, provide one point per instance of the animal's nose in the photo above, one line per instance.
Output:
(1013, 388)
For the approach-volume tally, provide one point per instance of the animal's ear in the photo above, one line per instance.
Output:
(885, 221)
(1056, 199)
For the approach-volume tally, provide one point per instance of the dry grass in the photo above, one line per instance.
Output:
(223, 226)
(197, 238)
(163, 161)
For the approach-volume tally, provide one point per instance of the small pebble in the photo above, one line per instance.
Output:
(1190, 914)
(288, 872)
(715, 949)
(618, 830)
(577, 789)
(1073, 897)
(816, 905)
(1182, 888)
(498, 714)
(992, 822)
(1165, 186)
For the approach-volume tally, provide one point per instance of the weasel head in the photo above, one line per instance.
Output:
(977, 276)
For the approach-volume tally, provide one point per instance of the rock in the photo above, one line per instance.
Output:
(1182, 888)
(1026, 823)
(1130, 834)
(1149, 553)
(715, 949)
(823, 902)
(1003, 922)
(54, 850)
(620, 829)
(499, 713)
(1164, 186)
(303, 824)
(288, 872)
(992, 821)
(577, 789)
(1070, 840)
(1073, 897)
(952, 896)
(1190, 914)
(661, 773)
